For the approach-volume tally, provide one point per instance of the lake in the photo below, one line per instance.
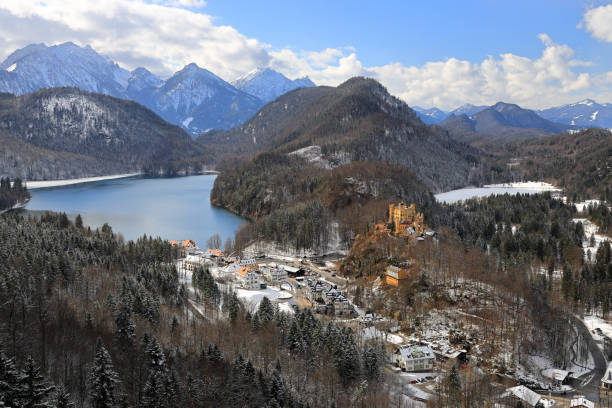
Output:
(453, 196)
(172, 208)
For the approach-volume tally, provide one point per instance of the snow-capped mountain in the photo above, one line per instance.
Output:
(468, 109)
(267, 84)
(431, 116)
(583, 114)
(38, 66)
(193, 98)
(199, 100)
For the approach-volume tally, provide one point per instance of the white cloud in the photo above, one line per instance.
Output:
(598, 22)
(165, 35)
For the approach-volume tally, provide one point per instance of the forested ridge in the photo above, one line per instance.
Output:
(60, 133)
(90, 320)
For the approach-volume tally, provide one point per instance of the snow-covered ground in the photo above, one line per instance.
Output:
(593, 323)
(533, 185)
(58, 183)
(252, 298)
(591, 229)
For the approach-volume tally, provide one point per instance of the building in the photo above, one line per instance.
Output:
(192, 262)
(579, 401)
(395, 275)
(414, 358)
(524, 394)
(214, 253)
(274, 273)
(186, 247)
(406, 221)
(248, 262)
(606, 381)
(247, 278)
(342, 307)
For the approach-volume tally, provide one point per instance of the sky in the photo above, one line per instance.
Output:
(536, 53)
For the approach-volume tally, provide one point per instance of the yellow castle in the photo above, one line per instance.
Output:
(406, 220)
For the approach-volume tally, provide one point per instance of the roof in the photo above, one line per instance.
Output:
(525, 394)
(188, 242)
(243, 271)
(174, 242)
(290, 269)
(233, 267)
(581, 401)
(244, 262)
(415, 353)
(555, 374)
(215, 252)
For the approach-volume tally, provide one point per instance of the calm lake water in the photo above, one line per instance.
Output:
(172, 208)
(453, 196)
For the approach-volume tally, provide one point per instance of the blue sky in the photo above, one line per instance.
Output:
(536, 53)
(413, 32)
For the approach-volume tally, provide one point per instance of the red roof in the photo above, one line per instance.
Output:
(242, 271)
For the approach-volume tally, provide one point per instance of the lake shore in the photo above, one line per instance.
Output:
(67, 182)
(535, 185)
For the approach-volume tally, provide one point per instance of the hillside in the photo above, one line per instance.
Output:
(64, 132)
(584, 114)
(306, 207)
(580, 162)
(356, 121)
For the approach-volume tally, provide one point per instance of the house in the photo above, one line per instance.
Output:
(414, 358)
(396, 275)
(249, 263)
(247, 278)
(342, 306)
(316, 291)
(524, 394)
(191, 262)
(579, 401)
(274, 273)
(214, 253)
(186, 247)
(292, 271)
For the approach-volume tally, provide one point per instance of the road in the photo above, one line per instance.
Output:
(591, 389)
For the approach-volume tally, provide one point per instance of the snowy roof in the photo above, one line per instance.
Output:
(525, 394)
(581, 401)
(290, 269)
(415, 353)
(233, 267)
(555, 374)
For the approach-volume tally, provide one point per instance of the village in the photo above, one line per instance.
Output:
(418, 360)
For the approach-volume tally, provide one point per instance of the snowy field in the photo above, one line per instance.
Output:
(252, 298)
(594, 322)
(59, 183)
(529, 185)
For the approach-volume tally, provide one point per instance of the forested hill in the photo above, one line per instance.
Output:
(305, 207)
(356, 121)
(580, 163)
(64, 133)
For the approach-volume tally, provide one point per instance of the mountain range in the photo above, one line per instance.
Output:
(193, 98)
(501, 121)
(580, 115)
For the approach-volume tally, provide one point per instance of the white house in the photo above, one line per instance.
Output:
(579, 401)
(191, 262)
(247, 278)
(415, 358)
(274, 273)
(342, 306)
(247, 262)
(531, 398)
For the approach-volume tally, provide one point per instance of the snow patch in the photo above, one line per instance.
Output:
(12, 67)
(59, 183)
(187, 121)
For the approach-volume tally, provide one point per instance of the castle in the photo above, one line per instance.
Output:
(406, 220)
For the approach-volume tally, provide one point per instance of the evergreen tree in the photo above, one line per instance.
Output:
(265, 311)
(61, 398)
(103, 379)
(10, 381)
(34, 390)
